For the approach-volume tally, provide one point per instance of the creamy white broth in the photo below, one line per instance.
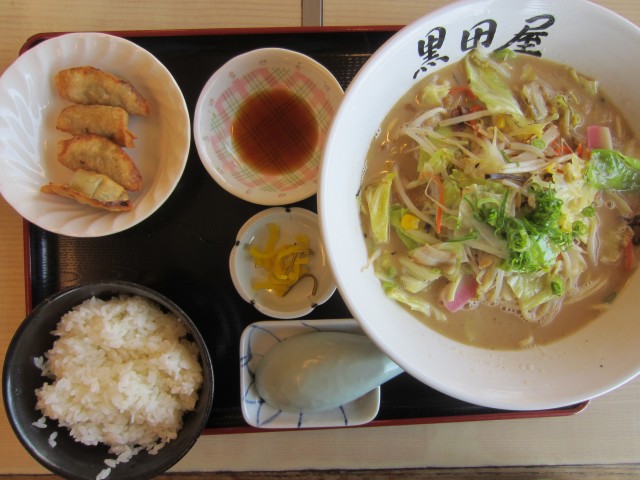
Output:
(504, 326)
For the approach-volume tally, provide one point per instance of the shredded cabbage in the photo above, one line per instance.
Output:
(378, 197)
(486, 81)
(504, 198)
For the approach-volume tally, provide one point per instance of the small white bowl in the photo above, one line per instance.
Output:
(29, 106)
(224, 94)
(299, 301)
(256, 340)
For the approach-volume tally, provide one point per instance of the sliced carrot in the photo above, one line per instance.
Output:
(462, 89)
(440, 202)
(628, 258)
(561, 149)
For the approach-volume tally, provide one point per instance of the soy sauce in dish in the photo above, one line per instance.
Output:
(274, 131)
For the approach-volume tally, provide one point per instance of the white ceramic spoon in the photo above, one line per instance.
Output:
(318, 371)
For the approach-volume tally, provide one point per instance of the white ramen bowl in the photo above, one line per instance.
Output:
(594, 360)
(30, 105)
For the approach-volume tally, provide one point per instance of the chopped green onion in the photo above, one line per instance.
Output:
(557, 285)
(503, 209)
(470, 236)
(538, 143)
(579, 228)
(517, 236)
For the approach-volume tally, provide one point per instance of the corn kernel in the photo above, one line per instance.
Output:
(409, 222)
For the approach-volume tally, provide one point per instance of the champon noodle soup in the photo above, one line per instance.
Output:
(499, 200)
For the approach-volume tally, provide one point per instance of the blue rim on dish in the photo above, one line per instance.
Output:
(255, 342)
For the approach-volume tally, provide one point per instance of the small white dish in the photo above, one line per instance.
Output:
(29, 106)
(224, 94)
(256, 340)
(300, 300)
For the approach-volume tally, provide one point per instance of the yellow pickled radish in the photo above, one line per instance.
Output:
(284, 265)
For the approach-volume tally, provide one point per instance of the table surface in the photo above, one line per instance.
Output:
(606, 433)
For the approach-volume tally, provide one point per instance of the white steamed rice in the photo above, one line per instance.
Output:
(122, 374)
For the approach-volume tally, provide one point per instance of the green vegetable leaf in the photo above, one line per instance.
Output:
(473, 219)
(591, 86)
(434, 92)
(436, 163)
(540, 254)
(414, 302)
(534, 239)
(532, 290)
(504, 54)
(611, 170)
(408, 238)
(487, 84)
(378, 198)
(415, 277)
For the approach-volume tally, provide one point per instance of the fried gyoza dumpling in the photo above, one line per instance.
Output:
(92, 189)
(101, 155)
(91, 86)
(110, 122)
